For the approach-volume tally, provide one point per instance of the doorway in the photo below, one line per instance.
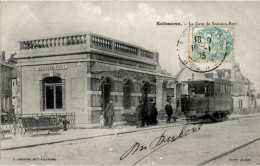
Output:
(106, 89)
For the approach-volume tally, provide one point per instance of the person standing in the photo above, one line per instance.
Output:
(152, 111)
(155, 114)
(145, 116)
(150, 114)
(139, 115)
(109, 113)
(168, 110)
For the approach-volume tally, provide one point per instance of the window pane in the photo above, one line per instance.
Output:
(49, 97)
(58, 97)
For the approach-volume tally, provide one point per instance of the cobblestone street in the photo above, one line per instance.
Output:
(233, 142)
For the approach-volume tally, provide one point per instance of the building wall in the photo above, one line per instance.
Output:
(241, 104)
(244, 104)
(82, 96)
(5, 86)
(95, 98)
(75, 89)
(244, 101)
(79, 53)
(15, 95)
(240, 87)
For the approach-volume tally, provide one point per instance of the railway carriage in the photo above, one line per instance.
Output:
(207, 100)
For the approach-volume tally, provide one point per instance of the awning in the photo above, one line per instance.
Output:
(101, 67)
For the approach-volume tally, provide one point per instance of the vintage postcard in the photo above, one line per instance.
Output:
(130, 83)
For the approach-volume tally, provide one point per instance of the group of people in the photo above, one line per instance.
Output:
(146, 115)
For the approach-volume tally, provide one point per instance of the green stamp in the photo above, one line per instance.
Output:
(211, 44)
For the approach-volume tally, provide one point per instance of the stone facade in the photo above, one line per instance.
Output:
(5, 84)
(81, 73)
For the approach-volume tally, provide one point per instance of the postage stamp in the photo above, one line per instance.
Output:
(211, 44)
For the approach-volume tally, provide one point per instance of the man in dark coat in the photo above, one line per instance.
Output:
(139, 115)
(145, 116)
(152, 111)
(168, 110)
(150, 114)
(109, 113)
(155, 114)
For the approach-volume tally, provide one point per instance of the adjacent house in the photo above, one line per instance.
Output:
(243, 92)
(15, 83)
(5, 85)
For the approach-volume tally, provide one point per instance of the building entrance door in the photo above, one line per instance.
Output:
(105, 95)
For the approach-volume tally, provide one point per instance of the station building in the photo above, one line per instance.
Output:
(81, 73)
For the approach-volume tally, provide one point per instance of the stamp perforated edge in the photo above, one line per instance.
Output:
(205, 26)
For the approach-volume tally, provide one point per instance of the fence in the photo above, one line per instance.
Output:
(14, 123)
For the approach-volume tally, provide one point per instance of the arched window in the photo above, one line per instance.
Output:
(52, 93)
(127, 94)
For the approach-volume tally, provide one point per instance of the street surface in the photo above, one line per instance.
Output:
(233, 142)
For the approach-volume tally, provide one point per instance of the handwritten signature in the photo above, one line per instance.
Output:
(159, 142)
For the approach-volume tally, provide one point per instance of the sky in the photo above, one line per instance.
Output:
(134, 22)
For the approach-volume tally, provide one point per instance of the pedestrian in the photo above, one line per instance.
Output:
(168, 110)
(145, 116)
(152, 112)
(155, 112)
(174, 114)
(149, 113)
(139, 115)
(109, 113)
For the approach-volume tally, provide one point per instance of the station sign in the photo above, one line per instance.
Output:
(52, 67)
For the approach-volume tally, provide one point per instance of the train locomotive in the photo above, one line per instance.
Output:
(207, 100)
